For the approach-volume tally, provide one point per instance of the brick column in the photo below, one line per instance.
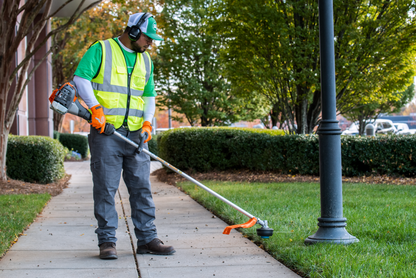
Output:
(42, 83)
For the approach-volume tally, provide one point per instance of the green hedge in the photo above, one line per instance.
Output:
(75, 142)
(390, 155)
(35, 159)
(207, 149)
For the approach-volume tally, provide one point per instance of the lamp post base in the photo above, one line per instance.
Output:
(331, 230)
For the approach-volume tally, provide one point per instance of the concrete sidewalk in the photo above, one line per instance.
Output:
(62, 243)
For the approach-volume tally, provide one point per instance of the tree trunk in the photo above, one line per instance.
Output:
(3, 147)
(301, 117)
(274, 115)
(57, 121)
(4, 135)
(361, 124)
(314, 111)
(205, 121)
(4, 131)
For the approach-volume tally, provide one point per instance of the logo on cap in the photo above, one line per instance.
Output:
(154, 26)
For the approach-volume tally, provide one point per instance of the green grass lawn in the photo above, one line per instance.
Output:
(16, 213)
(382, 217)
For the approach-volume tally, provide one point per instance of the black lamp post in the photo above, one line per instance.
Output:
(331, 223)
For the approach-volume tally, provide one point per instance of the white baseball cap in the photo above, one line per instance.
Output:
(148, 27)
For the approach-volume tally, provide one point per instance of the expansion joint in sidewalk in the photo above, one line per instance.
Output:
(128, 230)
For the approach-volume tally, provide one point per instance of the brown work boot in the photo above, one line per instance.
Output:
(155, 247)
(108, 251)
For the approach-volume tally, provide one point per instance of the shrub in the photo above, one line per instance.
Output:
(35, 159)
(152, 144)
(75, 142)
(207, 149)
(56, 135)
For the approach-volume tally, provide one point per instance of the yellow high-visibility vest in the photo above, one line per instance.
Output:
(116, 90)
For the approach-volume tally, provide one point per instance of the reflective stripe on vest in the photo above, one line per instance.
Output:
(122, 112)
(111, 88)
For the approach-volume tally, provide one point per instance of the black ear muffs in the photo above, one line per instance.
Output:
(135, 32)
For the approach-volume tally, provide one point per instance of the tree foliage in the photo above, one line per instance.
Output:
(272, 47)
(189, 73)
(387, 104)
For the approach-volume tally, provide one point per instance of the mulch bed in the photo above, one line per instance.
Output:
(21, 187)
(259, 176)
(12, 186)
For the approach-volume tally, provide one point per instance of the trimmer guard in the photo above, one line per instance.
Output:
(246, 225)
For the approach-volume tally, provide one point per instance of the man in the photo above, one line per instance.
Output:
(115, 80)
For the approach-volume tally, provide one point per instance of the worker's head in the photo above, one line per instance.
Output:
(141, 29)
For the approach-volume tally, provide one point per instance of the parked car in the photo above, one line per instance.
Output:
(381, 126)
(385, 127)
(260, 125)
(403, 129)
(352, 130)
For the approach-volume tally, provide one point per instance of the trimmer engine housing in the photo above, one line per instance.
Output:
(65, 99)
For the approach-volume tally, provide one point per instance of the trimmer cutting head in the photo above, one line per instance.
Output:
(265, 232)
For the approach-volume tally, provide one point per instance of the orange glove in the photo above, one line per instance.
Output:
(148, 129)
(98, 118)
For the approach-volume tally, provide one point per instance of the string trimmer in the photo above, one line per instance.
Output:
(64, 100)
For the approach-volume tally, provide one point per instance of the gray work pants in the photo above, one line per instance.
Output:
(109, 156)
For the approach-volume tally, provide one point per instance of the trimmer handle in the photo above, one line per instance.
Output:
(86, 115)
(77, 109)
(143, 137)
(109, 129)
